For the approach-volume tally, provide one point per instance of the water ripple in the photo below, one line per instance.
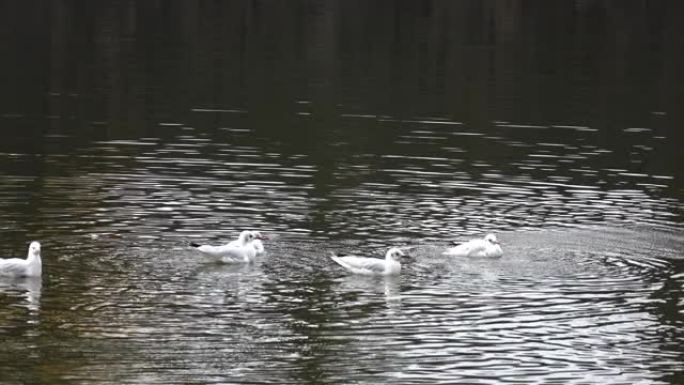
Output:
(588, 291)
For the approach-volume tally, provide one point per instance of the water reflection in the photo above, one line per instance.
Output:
(358, 289)
(27, 289)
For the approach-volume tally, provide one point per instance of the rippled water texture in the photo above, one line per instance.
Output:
(132, 129)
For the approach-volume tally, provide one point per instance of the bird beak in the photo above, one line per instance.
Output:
(263, 237)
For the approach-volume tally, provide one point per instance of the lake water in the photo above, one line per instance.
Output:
(130, 129)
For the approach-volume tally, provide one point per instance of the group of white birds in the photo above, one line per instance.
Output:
(487, 247)
(249, 244)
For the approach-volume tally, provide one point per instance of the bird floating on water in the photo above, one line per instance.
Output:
(372, 266)
(242, 250)
(484, 247)
(32, 266)
(256, 242)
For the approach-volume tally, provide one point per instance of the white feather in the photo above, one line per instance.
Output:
(485, 247)
(241, 250)
(30, 267)
(371, 266)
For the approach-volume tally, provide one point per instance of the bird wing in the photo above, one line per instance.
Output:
(258, 246)
(13, 266)
(495, 251)
(214, 251)
(478, 248)
(361, 265)
(231, 254)
(218, 251)
(472, 248)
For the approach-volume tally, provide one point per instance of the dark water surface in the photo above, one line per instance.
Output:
(131, 128)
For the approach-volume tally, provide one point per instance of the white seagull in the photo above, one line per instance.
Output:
(256, 242)
(242, 250)
(30, 267)
(486, 247)
(372, 266)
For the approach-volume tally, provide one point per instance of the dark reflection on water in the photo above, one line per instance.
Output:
(131, 128)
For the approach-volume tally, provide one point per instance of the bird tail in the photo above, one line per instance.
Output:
(193, 244)
(336, 257)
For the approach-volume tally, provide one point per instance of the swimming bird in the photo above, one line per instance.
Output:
(256, 242)
(241, 250)
(485, 247)
(32, 266)
(372, 266)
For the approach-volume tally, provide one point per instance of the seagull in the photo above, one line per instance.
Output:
(486, 247)
(242, 250)
(256, 242)
(29, 267)
(372, 266)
